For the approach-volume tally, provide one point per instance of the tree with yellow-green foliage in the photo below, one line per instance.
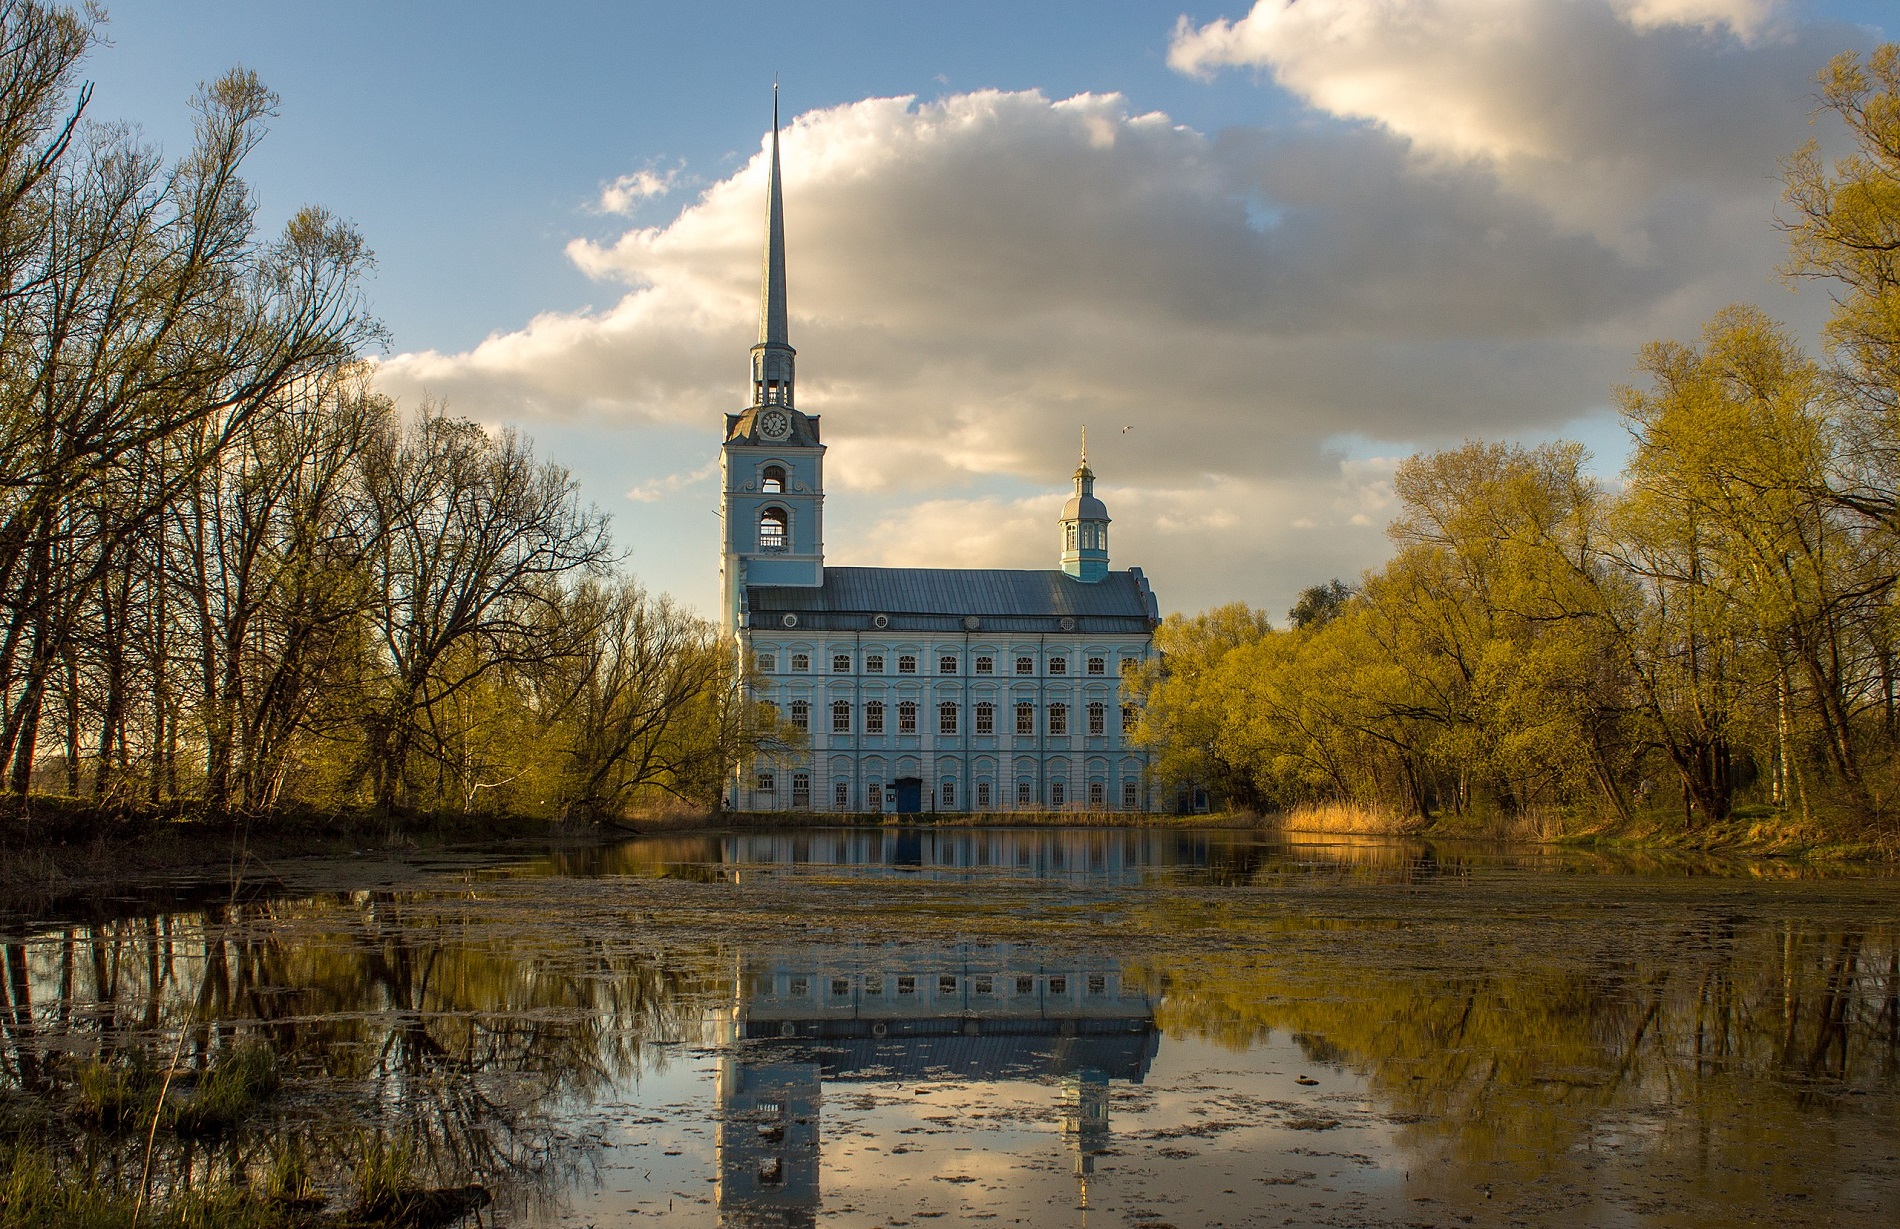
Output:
(1718, 632)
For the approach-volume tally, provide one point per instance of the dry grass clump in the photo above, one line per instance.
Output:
(1355, 817)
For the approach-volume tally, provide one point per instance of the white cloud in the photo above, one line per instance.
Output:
(624, 194)
(1522, 199)
(1590, 107)
(659, 488)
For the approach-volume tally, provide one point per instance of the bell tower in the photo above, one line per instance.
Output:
(771, 466)
(1085, 526)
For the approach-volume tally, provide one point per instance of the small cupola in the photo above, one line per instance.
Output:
(1085, 526)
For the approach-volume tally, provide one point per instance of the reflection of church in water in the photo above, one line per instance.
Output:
(975, 1012)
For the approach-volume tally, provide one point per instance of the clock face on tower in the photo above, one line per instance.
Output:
(775, 424)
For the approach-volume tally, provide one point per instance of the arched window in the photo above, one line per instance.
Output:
(947, 717)
(1070, 527)
(773, 480)
(841, 716)
(801, 715)
(874, 716)
(907, 717)
(1058, 719)
(772, 529)
(986, 718)
(1098, 719)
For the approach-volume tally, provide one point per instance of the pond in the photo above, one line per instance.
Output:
(997, 1026)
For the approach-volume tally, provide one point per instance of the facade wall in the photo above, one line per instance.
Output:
(1060, 763)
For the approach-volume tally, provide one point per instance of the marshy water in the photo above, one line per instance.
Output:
(1001, 1026)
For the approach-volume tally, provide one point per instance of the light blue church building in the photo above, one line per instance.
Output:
(918, 689)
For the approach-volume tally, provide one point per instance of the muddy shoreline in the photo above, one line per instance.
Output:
(72, 859)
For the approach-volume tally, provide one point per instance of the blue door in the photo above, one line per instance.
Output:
(910, 795)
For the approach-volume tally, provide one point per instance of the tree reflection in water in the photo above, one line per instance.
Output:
(405, 1033)
(1749, 1058)
(1549, 1026)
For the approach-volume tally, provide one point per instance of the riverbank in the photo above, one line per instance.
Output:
(67, 854)
(1759, 832)
(72, 855)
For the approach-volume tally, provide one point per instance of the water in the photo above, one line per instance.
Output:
(996, 1026)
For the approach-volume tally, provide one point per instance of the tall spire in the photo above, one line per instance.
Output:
(772, 329)
(772, 356)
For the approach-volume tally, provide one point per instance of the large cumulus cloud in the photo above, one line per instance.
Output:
(1488, 206)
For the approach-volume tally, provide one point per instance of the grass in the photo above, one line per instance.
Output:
(1350, 817)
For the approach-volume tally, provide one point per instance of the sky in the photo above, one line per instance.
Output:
(1263, 252)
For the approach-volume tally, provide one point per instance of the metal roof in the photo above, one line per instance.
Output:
(1000, 599)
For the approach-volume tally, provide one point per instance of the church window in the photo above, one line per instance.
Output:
(1129, 664)
(801, 663)
(949, 795)
(841, 663)
(1025, 665)
(947, 718)
(874, 724)
(874, 663)
(841, 716)
(946, 983)
(767, 783)
(947, 664)
(1058, 665)
(1131, 795)
(907, 985)
(986, 665)
(986, 718)
(800, 987)
(1025, 985)
(841, 795)
(873, 984)
(1025, 793)
(874, 799)
(801, 715)
(801, 790)
(773, 480)
(985, 984)
(907, 717)
(1058, 719)
(1098, 720)
(1069, 540)
(1098, 983)
(768, 663)
(1098, 795)
(840, 987)
(1058, 985)
(768, 710)
(1128, 719)
(983, 795)
(907, 663)
(1098, 665)
(772, 529)
(1025, 719)
(1058, 796)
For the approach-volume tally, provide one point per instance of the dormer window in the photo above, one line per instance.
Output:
(772, 535)
(772, 482)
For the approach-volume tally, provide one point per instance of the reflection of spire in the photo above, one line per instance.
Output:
(1085, 1123)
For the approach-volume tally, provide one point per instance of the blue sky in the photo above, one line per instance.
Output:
(1284, 249)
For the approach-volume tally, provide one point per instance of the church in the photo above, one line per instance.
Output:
(917, 689)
